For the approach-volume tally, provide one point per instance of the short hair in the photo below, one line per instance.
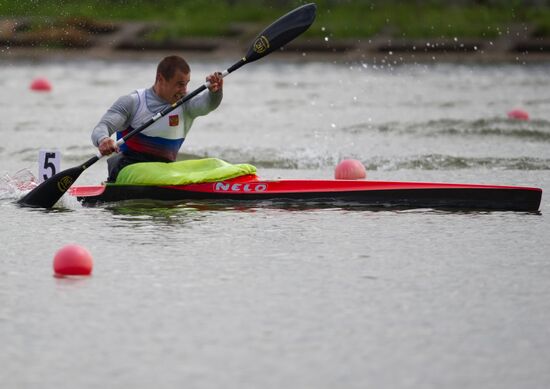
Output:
(168, 66)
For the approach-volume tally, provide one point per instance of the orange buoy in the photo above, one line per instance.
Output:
(518, 114)
(350, 169)
(72, 260)
(41, 85)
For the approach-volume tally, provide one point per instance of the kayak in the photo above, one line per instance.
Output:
(250, 189)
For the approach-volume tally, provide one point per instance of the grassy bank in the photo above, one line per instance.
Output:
(336, 18)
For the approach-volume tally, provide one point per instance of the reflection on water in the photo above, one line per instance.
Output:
(148, 212)
(182, 212)
(168, 213)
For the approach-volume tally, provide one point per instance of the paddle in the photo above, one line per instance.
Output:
(279, 33)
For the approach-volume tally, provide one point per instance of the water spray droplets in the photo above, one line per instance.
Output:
(13, 186)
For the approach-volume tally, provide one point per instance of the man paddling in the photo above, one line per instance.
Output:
(161, 141)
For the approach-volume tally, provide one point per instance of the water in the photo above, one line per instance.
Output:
(208, 297)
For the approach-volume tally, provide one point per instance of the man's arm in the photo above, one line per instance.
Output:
(203, 104)
(117, 118)
(206, 101)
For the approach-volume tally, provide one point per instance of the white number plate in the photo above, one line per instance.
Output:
(49, 162)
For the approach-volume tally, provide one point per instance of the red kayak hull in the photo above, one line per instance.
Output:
(337, 192)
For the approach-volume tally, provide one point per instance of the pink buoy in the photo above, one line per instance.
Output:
(41, 85)
(350, 169)
(72, 260)
(518, 114)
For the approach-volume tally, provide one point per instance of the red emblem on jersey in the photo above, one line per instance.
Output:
(174, 120)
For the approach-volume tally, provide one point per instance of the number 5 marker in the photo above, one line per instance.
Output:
(49, 163)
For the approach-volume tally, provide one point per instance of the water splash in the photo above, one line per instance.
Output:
(17, 185)
(535, 130)
(451, 162)
(14, 187)
(69, 202)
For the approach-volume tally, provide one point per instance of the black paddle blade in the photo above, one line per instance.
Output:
(282, 31)
(50, 191)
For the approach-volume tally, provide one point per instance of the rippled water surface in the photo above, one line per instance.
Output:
(207, 296)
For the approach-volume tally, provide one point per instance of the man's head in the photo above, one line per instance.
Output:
(173, 75)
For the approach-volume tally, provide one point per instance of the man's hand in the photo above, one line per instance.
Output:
(108, 146)
(216, 82)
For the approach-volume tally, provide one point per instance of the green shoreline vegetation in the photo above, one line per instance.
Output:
(337, 19)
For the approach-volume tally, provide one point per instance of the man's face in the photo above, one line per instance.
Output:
(173, 89)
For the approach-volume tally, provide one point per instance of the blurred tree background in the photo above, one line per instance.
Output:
(336, 18)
